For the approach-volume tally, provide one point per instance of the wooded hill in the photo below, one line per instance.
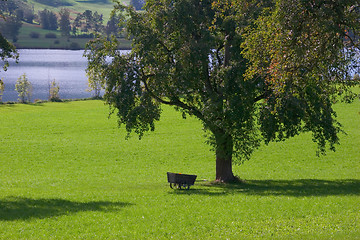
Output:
(40, 23)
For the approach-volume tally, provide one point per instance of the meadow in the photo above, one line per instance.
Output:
(63, 42)
(101, 6)
(67, 172)
(60, 42)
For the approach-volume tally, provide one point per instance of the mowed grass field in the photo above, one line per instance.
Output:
(67, 172)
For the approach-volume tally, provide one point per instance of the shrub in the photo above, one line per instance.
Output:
(50, 35)
(84, 35)
(56, 42)
(39, 101)
(74, 46)
(24, 88)
(34, 35)
(54, 89)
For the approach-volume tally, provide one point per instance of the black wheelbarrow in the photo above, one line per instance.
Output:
(180, 181)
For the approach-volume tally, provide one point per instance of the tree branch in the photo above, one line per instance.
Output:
(351, 40)
(261, 97)
(227, 51)
(217, 54)
(169, 51)
(177, 102)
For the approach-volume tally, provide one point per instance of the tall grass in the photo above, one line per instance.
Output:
(67, 172)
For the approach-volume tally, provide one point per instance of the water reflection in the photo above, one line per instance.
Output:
(41, 66)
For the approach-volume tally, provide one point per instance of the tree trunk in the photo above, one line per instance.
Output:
(224, 150)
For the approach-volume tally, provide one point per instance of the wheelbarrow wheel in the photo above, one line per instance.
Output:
(174, 185)
(184, 186)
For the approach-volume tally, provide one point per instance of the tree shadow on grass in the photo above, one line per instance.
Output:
(17, 104)
(295, 188)
(18, 208)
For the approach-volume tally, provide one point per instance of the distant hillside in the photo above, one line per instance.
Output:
(34, 34)
(55, 3)
(64, 3)
(76, 6)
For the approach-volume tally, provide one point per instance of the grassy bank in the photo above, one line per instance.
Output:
(25, 41)
(76, 6)
(67, 172)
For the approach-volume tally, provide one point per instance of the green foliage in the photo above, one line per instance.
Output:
(304, 54)
(50, 35)
(29, 15)
(74, 46)
(64, 22)
(170, 63)
(54, 89)
(34, 35)
(24, 11)
(95, 82)
(7, 50)
(24, 88)
(89, 22)
(115, 25)
(10, 27)
(65, 180)
(48, 19)
(250, 71)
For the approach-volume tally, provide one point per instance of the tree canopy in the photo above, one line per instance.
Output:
(249, 70)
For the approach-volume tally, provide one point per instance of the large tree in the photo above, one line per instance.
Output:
(11, 27)
(48, 19)
(7, 50)
(89, 22)
(249, 70)
(64, 22)
(114, 26)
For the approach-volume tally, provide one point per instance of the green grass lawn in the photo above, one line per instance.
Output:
(67, 172)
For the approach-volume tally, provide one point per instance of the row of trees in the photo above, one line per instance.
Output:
(24, 88)
(85, 24)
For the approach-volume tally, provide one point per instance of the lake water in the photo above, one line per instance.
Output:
(41, 66)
